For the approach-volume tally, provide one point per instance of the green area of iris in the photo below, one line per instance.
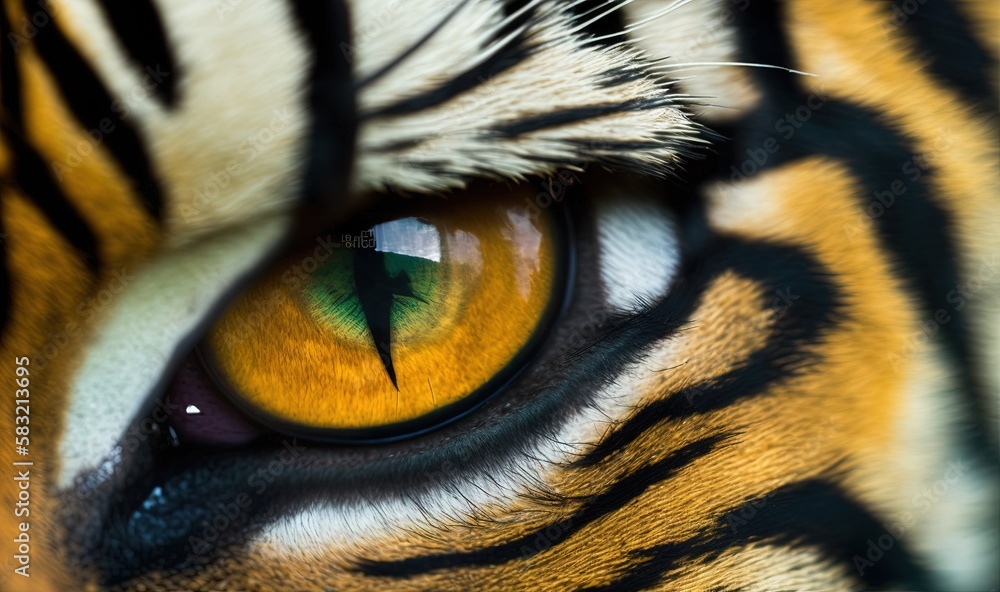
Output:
(333, 299)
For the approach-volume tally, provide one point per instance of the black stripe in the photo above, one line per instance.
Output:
(139, 28)
(6, 289)
(626, 73)
(396, 61)
(805, 303)
(35, 179)
(762, 39)
(8, 100)
(7, 65)
(10, 75)
(331, 105)
(91, 105)
(943, 37)
(813, 514)
(913, 228)
(621, 493)
(818, 514)
(515, 52)
(527, 124)
(29, 169)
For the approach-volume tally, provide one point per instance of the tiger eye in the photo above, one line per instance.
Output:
(405, 325)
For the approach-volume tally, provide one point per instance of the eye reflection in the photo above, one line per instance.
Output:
(408, 236)
(527, 241)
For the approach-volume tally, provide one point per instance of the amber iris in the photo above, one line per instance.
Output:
(396, 327)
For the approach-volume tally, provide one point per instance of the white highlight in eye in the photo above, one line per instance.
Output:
(639, 249)
(464, 249)
(527, 240)
(409, 236)
(192, 410)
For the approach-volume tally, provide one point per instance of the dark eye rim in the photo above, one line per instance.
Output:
(554, 312)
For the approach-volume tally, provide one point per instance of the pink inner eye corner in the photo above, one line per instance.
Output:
(201, 414)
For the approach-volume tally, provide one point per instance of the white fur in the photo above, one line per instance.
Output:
(241, 80)
(947, 523)
(743, 204)
(130, 352)
(639, 249)
(698, 32)
(455, 140)
(229, 156)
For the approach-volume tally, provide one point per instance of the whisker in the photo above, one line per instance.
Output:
(576, 3)
(586, 24)
(510, 18)
(639, 24)
(741, 64)
(664, 11)
(501, 43)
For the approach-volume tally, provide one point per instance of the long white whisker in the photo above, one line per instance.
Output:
(741, 64)
(576, 3)
(583, 26)
(664, 11)
(639, 24)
